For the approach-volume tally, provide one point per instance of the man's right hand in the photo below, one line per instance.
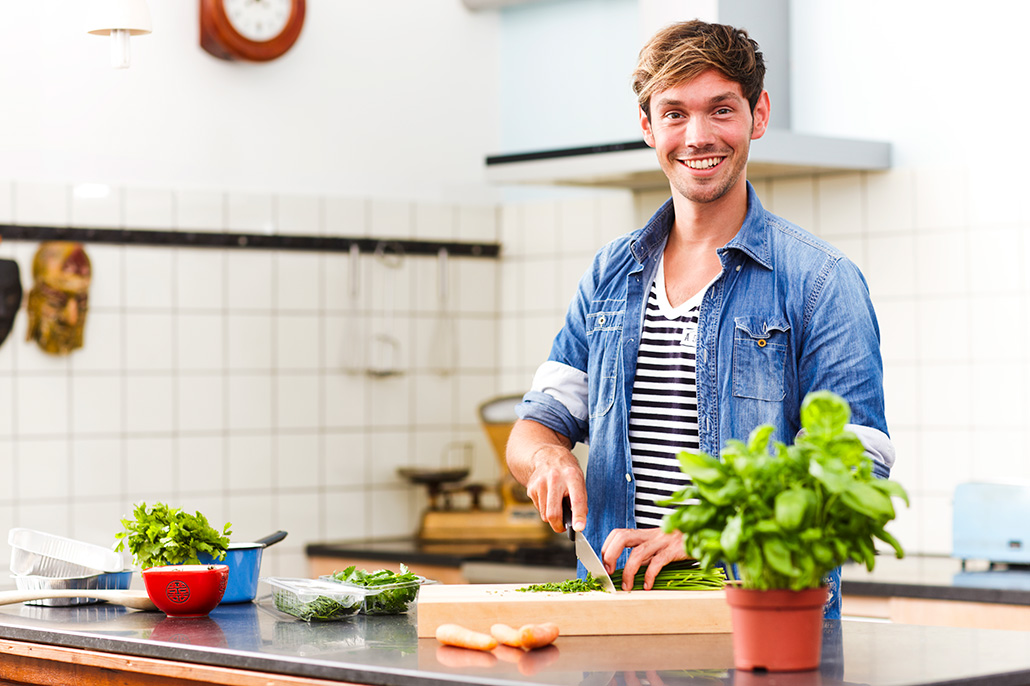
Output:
(542, 461)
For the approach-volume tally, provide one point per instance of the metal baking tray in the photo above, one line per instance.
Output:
(106, 581)
(36, 553)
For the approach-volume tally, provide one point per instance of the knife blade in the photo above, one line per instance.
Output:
(584, 552)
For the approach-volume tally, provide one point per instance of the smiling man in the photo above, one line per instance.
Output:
(715, 317)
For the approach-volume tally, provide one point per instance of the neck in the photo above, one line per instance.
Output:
(710, 224)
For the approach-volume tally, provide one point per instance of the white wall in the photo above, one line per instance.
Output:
(385, 98)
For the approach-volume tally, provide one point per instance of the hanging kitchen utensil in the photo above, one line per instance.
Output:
(353, 349)
(384, 353)
(443, 342)
(10, 296)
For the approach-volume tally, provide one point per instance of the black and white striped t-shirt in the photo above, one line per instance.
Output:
(663, 411)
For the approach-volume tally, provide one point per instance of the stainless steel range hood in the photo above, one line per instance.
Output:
(631, 164)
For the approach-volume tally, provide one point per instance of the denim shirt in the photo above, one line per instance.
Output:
(788, 314)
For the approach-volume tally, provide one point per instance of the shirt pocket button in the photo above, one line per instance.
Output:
(600, 320)
(761, 342)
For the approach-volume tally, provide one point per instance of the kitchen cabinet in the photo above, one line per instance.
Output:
(252, 643)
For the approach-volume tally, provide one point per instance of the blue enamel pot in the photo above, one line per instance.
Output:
(244, 561)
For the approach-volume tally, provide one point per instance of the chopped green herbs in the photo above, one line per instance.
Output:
(389, 593)
(682, 575)
(160, 535)
(321, 608)
(567, 586)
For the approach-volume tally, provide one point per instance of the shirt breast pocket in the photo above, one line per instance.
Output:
(760, 347)
(604, 333)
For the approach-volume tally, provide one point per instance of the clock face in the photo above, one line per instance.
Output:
(258, 20)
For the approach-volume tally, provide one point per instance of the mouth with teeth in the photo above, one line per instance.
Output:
(704, 163)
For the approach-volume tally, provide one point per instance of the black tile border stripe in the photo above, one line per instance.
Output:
(199, 239)
(565, 152)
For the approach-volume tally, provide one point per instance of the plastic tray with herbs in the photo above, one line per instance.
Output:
(315, 600)
(386, 592)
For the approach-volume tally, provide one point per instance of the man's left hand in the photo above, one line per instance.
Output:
(650, 547)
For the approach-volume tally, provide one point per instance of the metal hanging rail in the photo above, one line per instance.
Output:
(195, 239)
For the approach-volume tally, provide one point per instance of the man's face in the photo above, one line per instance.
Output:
(701, 131)
(59, 298)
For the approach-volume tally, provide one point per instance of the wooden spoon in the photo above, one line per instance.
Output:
(137, 600)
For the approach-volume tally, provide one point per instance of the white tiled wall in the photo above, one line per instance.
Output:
(213, 379)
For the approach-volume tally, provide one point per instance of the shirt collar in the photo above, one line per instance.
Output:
(752, 238)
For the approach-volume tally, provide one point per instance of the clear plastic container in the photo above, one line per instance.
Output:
(36, 553)
(111, 580)
(387, 599)
(315, 600)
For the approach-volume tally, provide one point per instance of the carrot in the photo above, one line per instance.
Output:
(506, 635)
(459, 636)
(538, 635)
(461, 658)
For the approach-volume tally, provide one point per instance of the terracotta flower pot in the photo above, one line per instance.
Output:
(777, 630)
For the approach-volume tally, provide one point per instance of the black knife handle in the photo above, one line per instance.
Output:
(566, 517)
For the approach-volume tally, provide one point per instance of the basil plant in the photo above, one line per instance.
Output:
(785, 516)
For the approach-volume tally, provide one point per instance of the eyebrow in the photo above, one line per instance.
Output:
(714, 100)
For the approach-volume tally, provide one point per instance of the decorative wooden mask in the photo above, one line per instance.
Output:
(59, 298)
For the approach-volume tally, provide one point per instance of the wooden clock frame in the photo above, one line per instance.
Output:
(219, 38)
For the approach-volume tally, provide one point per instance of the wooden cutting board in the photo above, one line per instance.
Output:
(478, 606)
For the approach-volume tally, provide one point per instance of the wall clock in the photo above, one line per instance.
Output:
(254, 30)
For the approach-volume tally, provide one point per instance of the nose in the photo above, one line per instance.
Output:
(70, 314)
(699, 132)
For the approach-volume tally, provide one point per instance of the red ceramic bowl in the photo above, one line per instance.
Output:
(186, 590)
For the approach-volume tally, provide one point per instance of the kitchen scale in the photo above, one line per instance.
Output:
(458, 511)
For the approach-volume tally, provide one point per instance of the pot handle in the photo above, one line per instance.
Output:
(271, 539)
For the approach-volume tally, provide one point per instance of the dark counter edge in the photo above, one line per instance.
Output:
(971, 594)
(215, 657)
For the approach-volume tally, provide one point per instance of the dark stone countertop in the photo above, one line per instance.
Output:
(386, 650)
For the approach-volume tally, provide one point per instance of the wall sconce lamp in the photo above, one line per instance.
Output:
(120, 19)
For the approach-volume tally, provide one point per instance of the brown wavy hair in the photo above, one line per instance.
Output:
(684, 50)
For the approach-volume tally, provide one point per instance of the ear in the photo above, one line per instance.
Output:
(761, 116)
(645, 127)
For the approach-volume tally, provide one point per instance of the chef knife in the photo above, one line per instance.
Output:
(585, 553)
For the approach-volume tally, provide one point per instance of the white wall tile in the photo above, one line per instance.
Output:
(934, 512)
(96, 404)
(149, 403)
(199, 282)
(540, 292)
(148, 277)
(345, 404)
(250, 402)
(996, 401)
(97, 468)
(249, 343)
(948, 450)
(391, 218)
(299, 215)
(298, 281)
(7, 202)
(614, 215)
(297, 401)
(42, 469)
(795, 199)
(390, 401)
(937, 320)
(891, 265)
(148, 341)
(940, 198)
(249, 279)
(297, 462)
(38, 203)
(250, 464)
(539, 228)
(477, 224)
(890, 201)
(102, 348)
(107, 286)
(946, 394)
(7, 394)
(387, 452)
(298, 340)
(994, 460)
(436, 400)
(512, 231)
(995, 321)
(149, 208)
(96, 204)
(250, 213)
(840, 205)
(578, 226)
(898, 328)
(476, 284)
(347, 216)
(434, 287)
(45, 515)
(478, 340)
(201, 210)
(346, 516)
(200, 342)
(997, 198)
(901, 394)
(298, 514)
(995, 261)
(435, 221)
(942, 263)
(201, 402)
(345, 461)
(42, 406)
(202, 464)
(391, 513)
